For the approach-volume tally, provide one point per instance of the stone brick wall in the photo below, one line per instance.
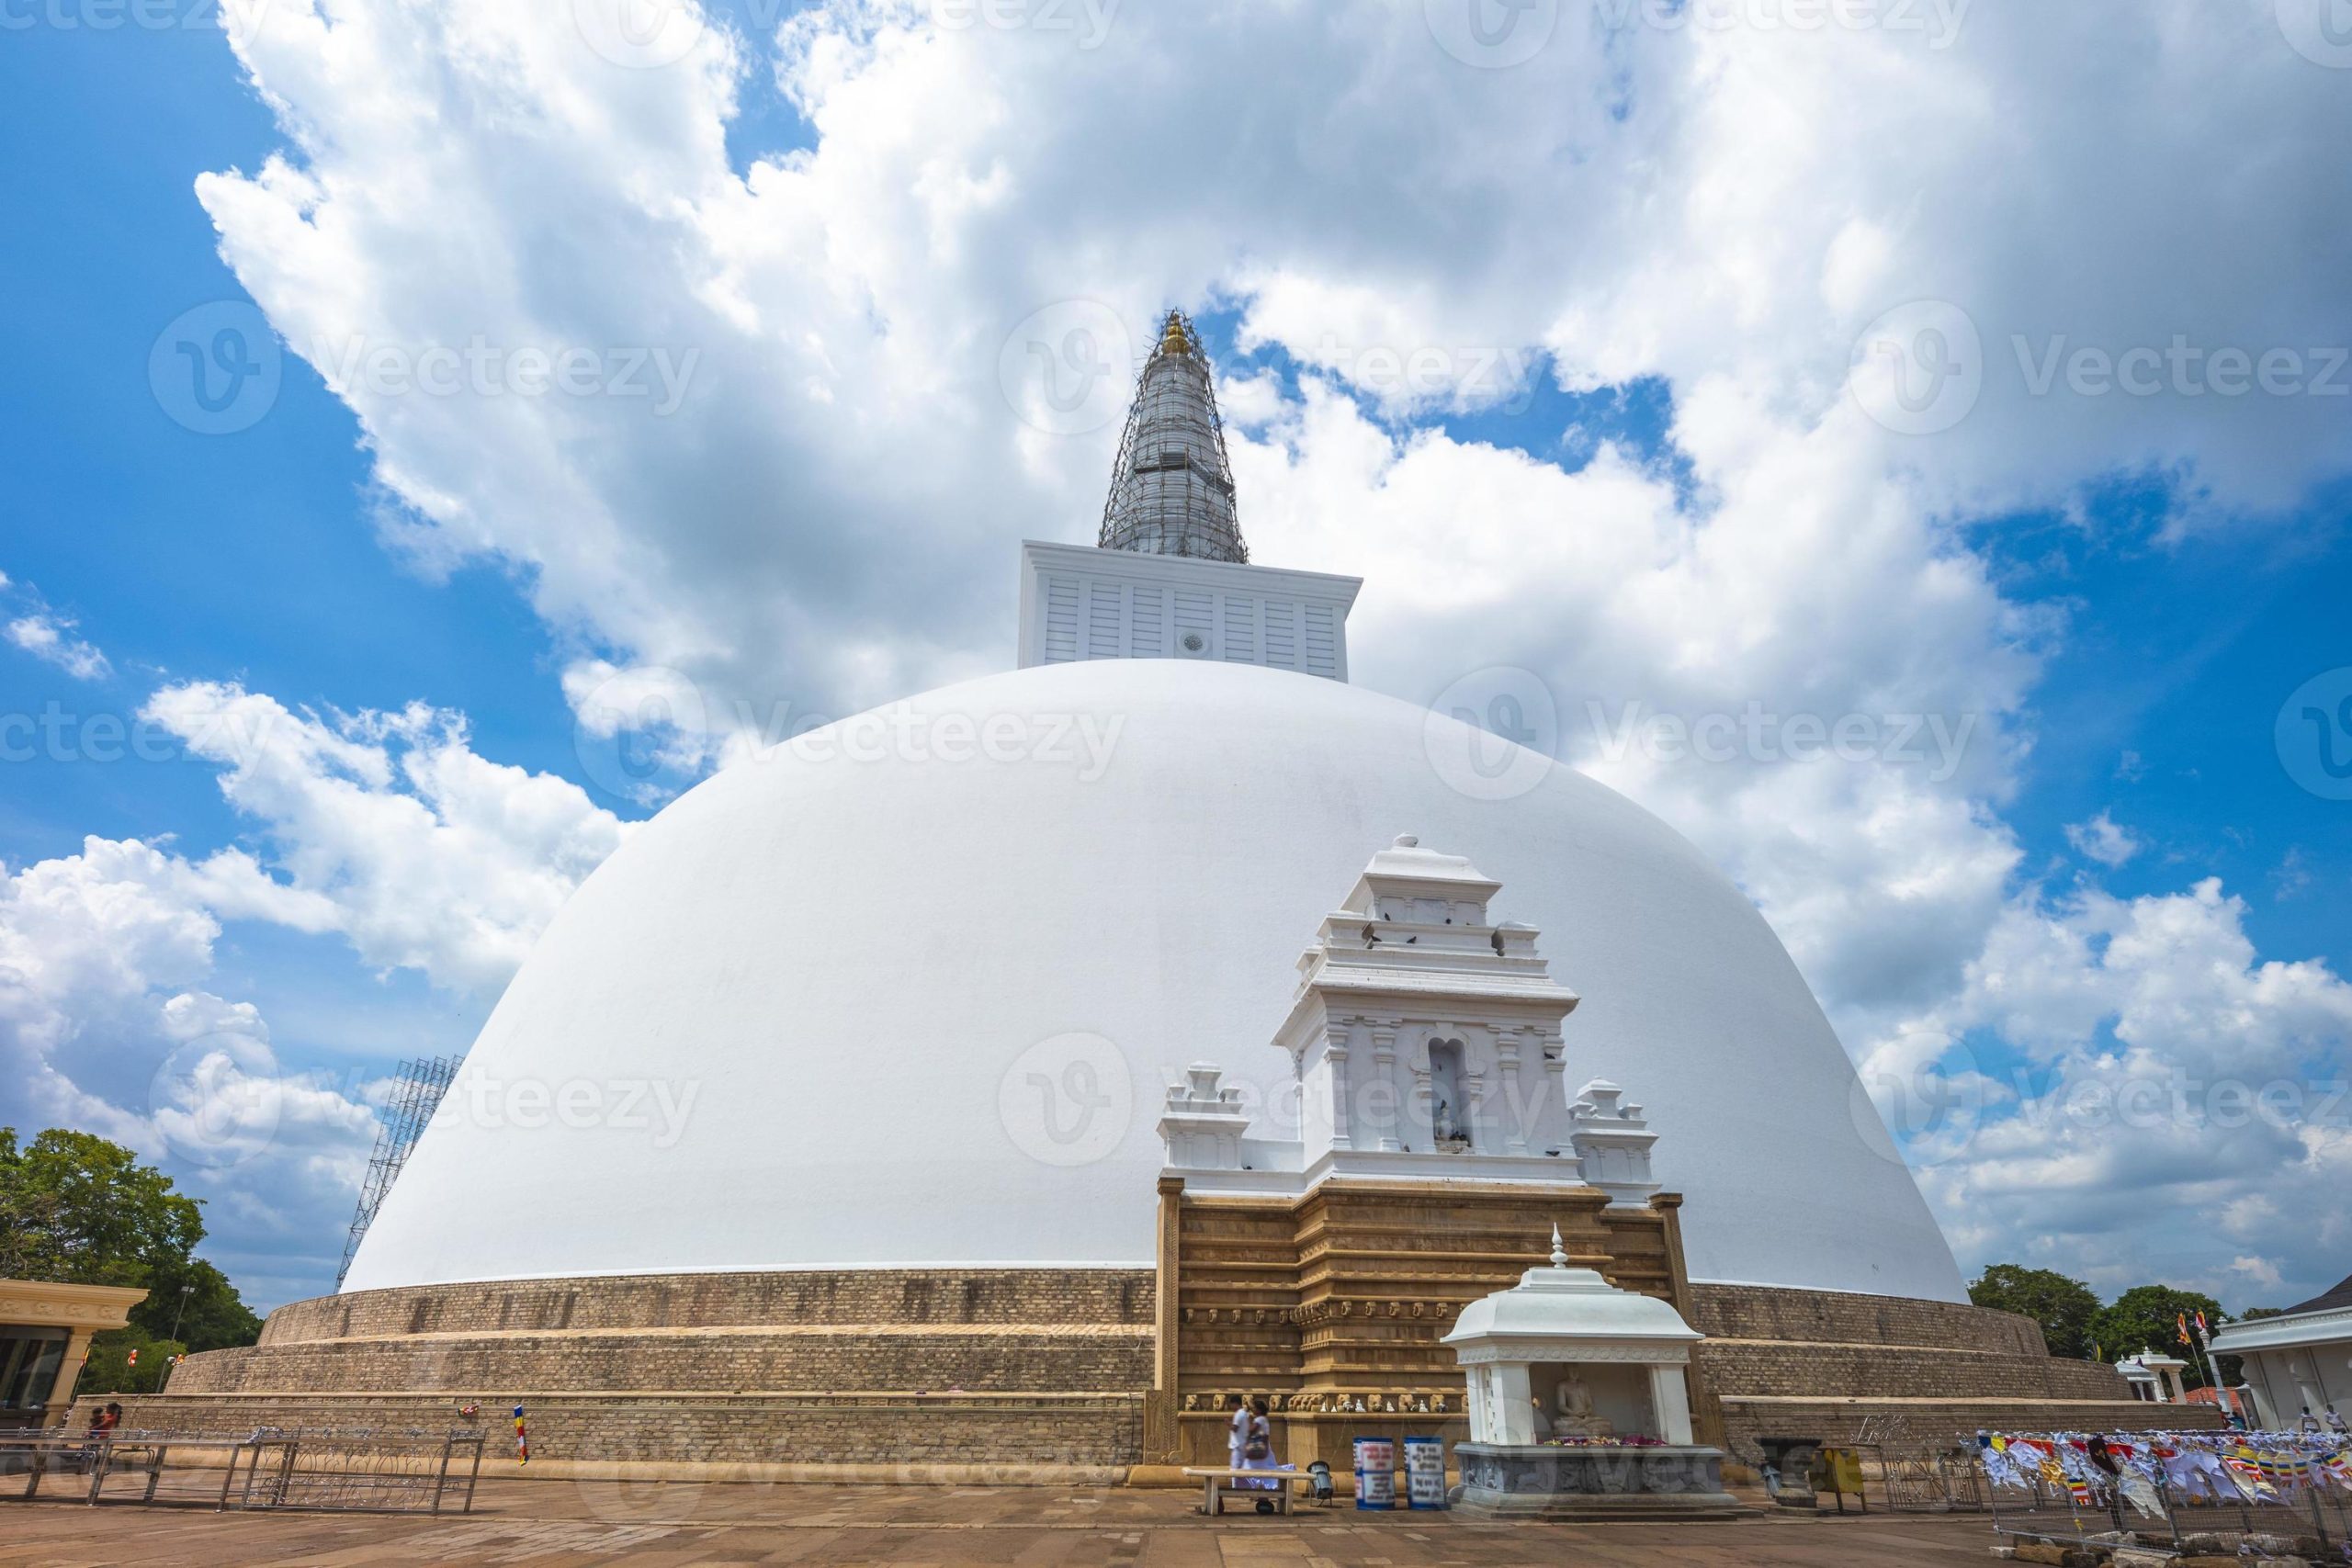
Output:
(1912, 1426)
(1909, 1374)
(883, 1436)
(1787, 1369)
(1761, 1311)
(833, 1367)
(702, 1300)
(1316, 1304)
(1062, 1359)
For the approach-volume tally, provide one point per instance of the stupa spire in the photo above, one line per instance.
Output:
(1171, 489)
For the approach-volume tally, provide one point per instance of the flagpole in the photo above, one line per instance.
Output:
(2222, 1398)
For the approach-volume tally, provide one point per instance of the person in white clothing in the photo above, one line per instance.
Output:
(1237, 1433)
(1257, 1450)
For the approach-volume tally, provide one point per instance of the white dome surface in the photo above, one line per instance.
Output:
(859, 966)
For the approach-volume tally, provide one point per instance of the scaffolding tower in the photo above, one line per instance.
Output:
(416, 1094)
(1172, 488)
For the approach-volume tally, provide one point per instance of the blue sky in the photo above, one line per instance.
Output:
(2146, 585)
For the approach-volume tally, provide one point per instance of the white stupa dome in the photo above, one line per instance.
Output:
(925, 994)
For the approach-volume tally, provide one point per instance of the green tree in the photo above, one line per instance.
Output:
(212, 1316)
(2062, 1306)
(78, 1208)
(2146, 1317)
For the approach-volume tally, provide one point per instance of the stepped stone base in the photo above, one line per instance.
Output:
(895, 1374)
(892, 1438)
(915, 1374)
(1849, 1369)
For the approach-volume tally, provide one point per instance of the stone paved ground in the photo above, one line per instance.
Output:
(556, 1523)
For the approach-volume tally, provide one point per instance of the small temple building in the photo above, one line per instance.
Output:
(45, 1333)
(2299, 1360)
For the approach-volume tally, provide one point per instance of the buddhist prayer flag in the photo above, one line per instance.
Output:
(2183, 1320)
(521, 1438)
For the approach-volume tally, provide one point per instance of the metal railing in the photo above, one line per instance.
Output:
(1943, 1480)
(329, 1469)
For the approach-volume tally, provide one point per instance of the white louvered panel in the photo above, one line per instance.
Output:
(1147, 622)
(1282, 634)
(1061, 620)
(1240, 628)
(1322, 641)
(1104, 612)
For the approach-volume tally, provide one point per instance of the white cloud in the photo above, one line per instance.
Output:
(2105, 840)
(2169, 1086)
(390, 829)
(49, 637)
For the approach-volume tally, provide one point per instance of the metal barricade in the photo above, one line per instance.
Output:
(1947, 1481)
(367, 1471)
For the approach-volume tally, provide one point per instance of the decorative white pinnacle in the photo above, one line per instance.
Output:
(1559, 1253)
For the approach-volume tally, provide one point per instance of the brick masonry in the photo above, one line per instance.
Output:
(1843, 1368)
(699, 1300)
(1317, 1303)
(877, 1368)
(911, 1439)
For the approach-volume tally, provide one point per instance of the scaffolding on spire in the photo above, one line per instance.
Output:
(1171, 489)
(416, 1094)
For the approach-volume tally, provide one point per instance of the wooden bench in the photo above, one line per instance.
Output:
(1219, 1485)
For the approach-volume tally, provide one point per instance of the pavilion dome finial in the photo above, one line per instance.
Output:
(1172, 488)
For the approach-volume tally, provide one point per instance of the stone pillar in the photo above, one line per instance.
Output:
(1520, 1106)
(1706, 1409)
(1383, 1072)
(1670, 1403)
(1163, 1432)
(61, 1393)
(1514, 1392)
(1335, 1053)
(2265, 1405)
